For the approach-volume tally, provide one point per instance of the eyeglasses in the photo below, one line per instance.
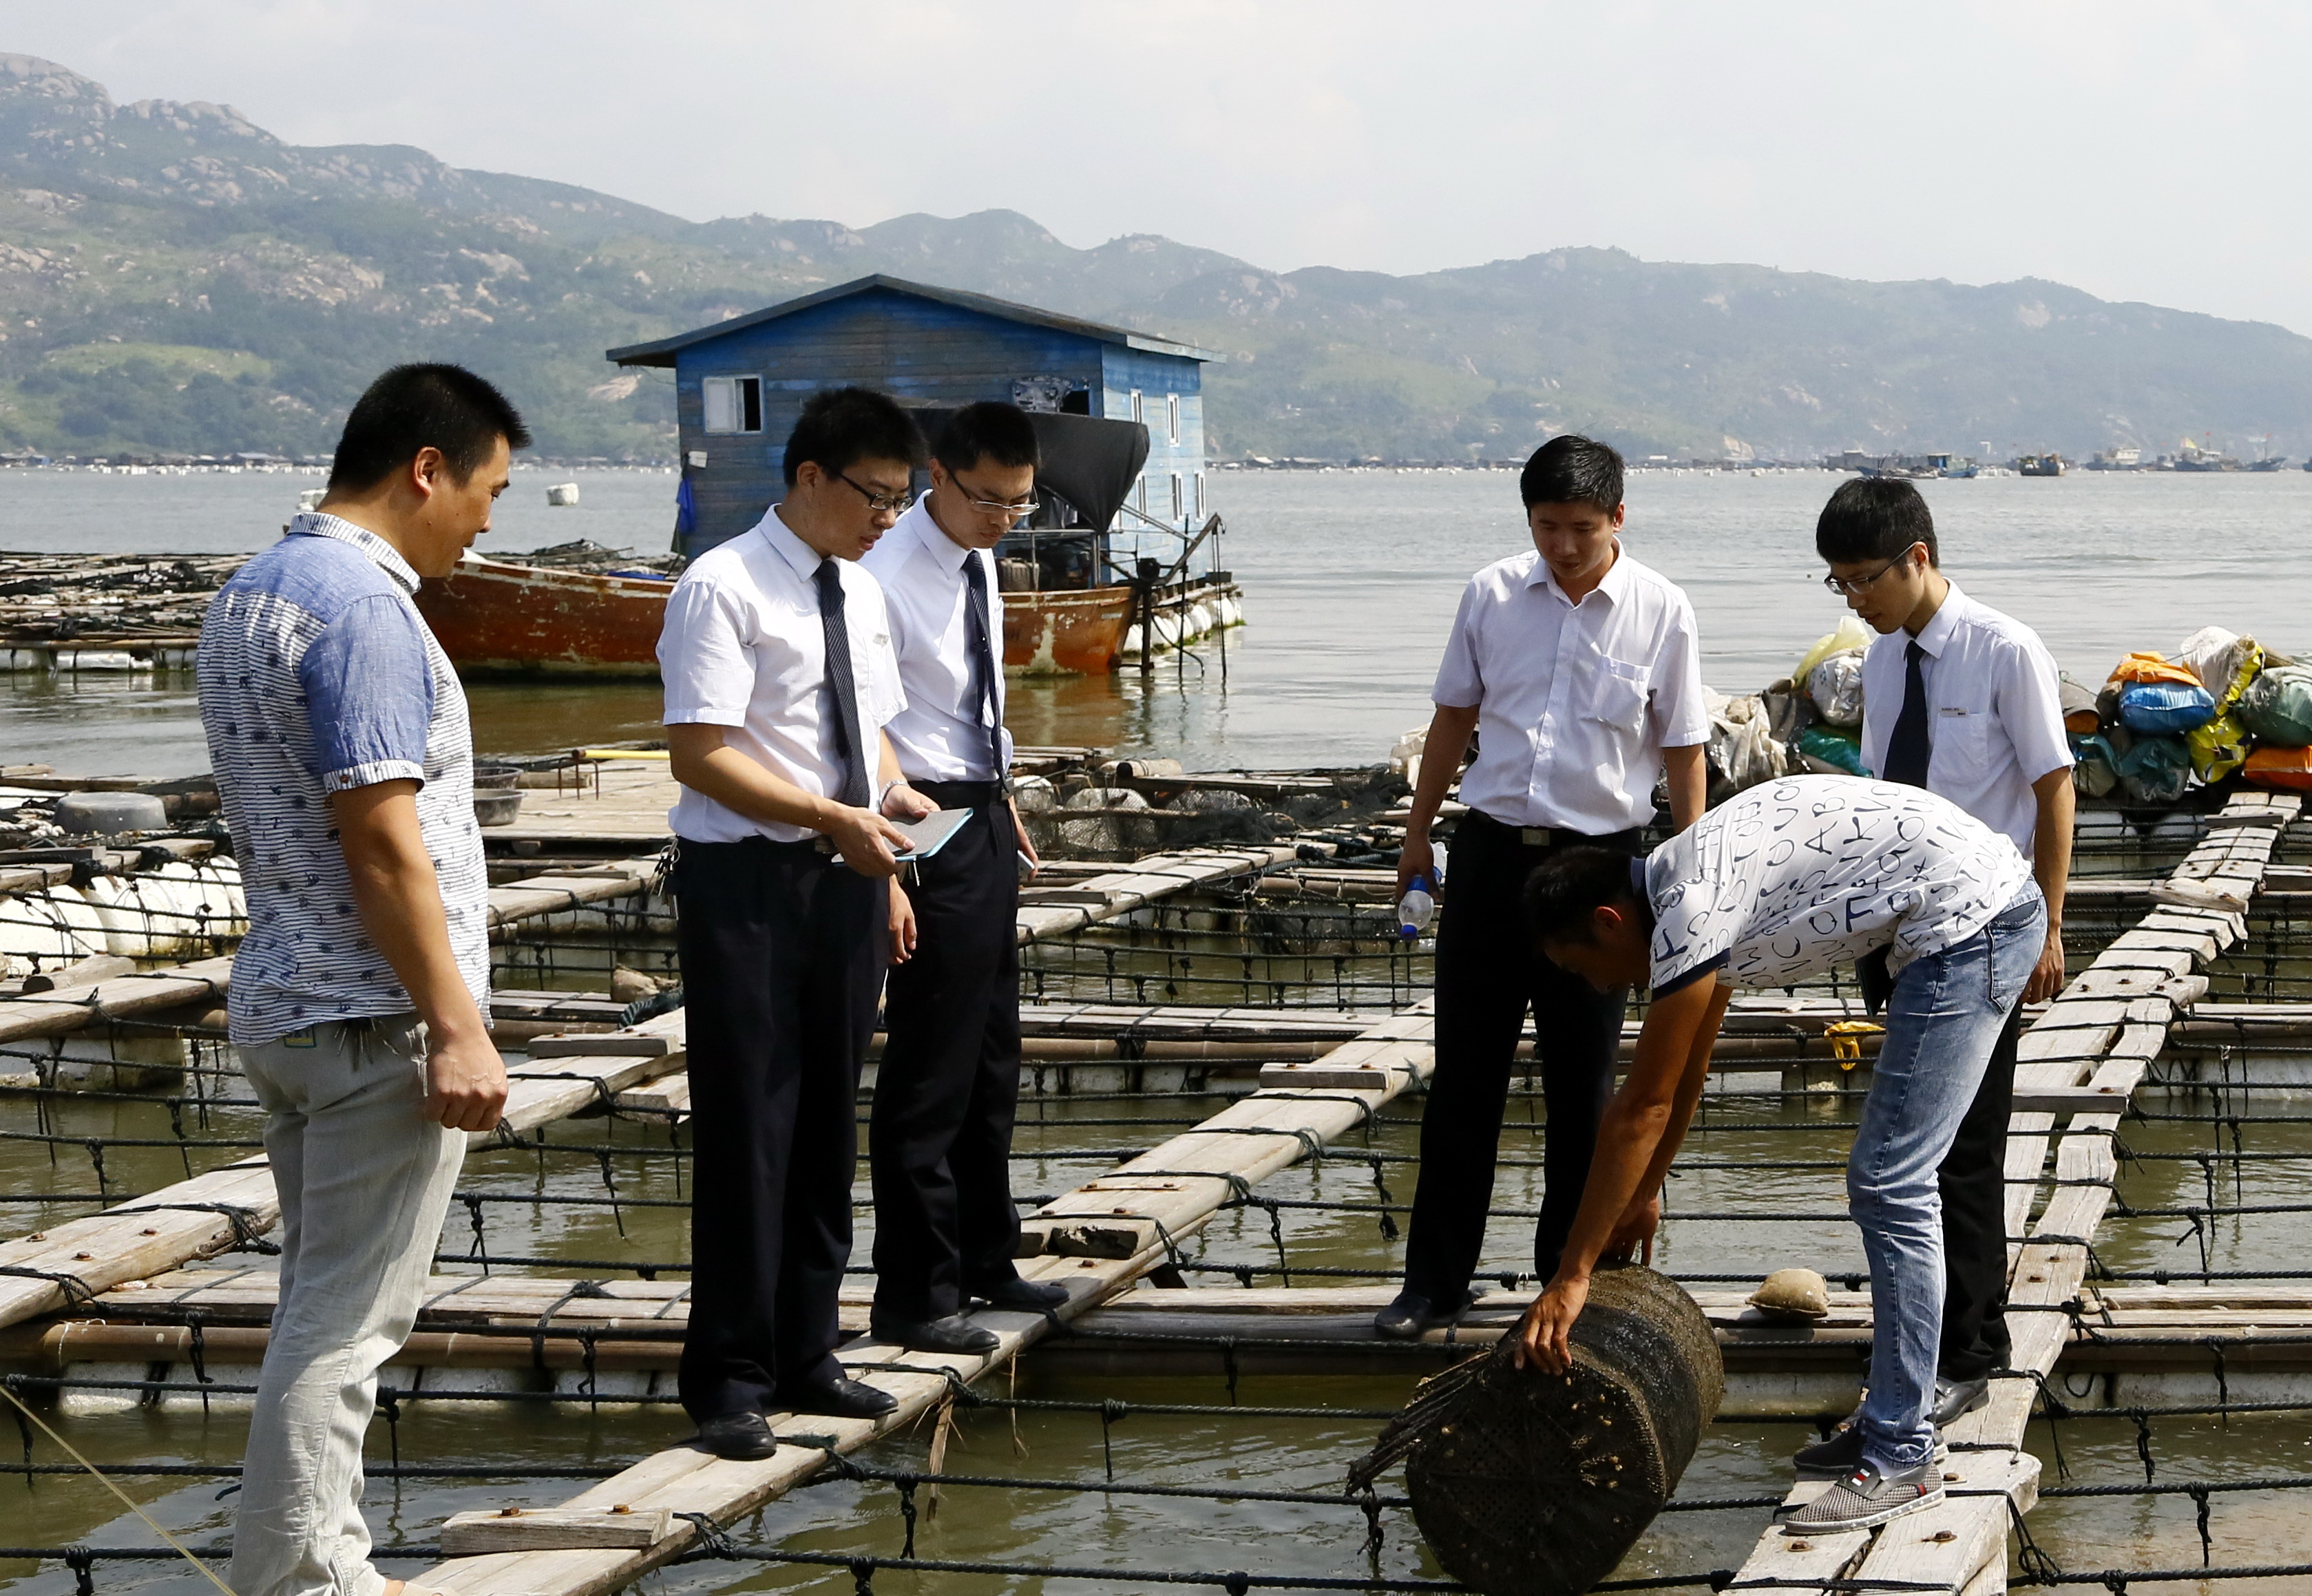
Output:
(879, 503)
(1847, 587)
(1012, 507)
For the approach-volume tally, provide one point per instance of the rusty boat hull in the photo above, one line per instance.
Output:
(499, 620)
(1078, 633)
(495, 620)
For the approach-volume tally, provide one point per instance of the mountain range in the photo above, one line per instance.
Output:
(174, 278)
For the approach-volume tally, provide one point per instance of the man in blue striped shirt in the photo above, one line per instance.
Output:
(338, 732)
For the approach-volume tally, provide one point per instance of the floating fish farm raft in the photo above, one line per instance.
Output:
(1227, 1047)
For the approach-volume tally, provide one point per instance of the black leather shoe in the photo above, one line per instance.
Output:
(1411, 1316)
(1955, 1398)
(954, 1334)
(1016, 1295)
(741, 1437)
(837, 1398)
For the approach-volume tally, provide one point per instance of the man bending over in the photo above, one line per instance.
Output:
(1770, 889)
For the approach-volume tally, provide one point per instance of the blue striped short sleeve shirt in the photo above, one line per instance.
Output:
(318, 676)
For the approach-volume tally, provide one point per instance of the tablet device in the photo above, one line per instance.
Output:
(930, 834)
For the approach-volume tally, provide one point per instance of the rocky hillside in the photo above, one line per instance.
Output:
(175, 278)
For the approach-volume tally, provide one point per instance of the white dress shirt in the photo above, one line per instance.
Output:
(1796, 877)
(941, 735)
(1575, 701)
(744, 646)
(1995, 712)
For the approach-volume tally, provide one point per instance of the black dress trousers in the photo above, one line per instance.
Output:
(1972, 1180)
(940, 1136)
(1489, 975)
(782, 956)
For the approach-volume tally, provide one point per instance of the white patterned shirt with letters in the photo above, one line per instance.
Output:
(1792, 878)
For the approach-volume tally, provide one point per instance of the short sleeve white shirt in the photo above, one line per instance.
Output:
(744, 646)
(1575, 702)
(1995, 711)
(1792, 878)
(941, 735)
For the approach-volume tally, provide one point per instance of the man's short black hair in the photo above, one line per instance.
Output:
(1874, 518)
(1568, 887)
(841, 426)
(412, 406)
(991, 430)
(1572, 469)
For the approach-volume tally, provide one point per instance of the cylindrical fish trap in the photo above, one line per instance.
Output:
(1538, 1484)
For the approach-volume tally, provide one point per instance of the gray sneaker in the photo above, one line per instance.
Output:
(1867, 1497)
(1840, 1454)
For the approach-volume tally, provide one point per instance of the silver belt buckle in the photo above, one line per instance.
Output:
(1533, 836)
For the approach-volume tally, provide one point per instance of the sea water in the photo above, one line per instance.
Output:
(1350, 580)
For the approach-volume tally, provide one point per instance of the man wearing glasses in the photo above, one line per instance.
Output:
(1965, 702)
(779, 675)
(940, 1139)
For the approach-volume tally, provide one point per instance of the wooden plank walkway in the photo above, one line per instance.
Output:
(1960, 1545)
(1096, 1241)
(73, 1008)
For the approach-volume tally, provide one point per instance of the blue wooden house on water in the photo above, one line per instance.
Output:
(740, 384)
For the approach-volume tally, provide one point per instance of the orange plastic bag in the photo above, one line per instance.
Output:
(2150, 666)
(2287, 768)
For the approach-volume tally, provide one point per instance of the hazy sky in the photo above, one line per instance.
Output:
(2138, 151)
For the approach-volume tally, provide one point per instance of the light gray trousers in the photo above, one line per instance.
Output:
(364, 1184)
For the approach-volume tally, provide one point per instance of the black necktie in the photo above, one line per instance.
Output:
(1908, 750)
(982, 691)
(829, 578)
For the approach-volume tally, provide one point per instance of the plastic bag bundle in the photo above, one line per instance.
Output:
(2154, 769)
(2277, 706)
(2289, 769)
(2220, 746)
(1835, 686)
(1742, 751)
(2094, 766)
(1828, 752)
(1851, 637)
(2079, 712)
(2213, 655)
(2160, 707)
(2141, 666)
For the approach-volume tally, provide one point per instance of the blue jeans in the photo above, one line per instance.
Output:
(1947, 1011)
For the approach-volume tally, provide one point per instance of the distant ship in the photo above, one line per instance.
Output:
(2125, 458)
(2198, 457)
(2040, 465)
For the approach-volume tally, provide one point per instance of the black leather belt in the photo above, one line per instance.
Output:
(1547, 836)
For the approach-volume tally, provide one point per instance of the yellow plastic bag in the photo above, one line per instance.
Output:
(1852, 635)
(2220, 746)
(1846, 1039)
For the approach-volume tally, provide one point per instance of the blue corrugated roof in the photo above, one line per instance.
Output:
(660, 352)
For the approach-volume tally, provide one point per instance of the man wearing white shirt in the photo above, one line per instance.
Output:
(1577, 670)
(938, 1141)
(779, 675)
(1778, 884)
(1966, 703)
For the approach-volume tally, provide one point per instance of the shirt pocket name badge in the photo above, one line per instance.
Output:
(1615, 693)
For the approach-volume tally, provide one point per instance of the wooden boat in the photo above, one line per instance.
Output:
(498, 620)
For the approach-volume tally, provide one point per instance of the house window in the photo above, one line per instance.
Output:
(1140, 490)
(1172, 414)
(1178, 508)
(1200, 495)
(1137, 408)
(733, 404)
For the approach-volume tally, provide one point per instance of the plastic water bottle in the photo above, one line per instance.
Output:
(1417, 909)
